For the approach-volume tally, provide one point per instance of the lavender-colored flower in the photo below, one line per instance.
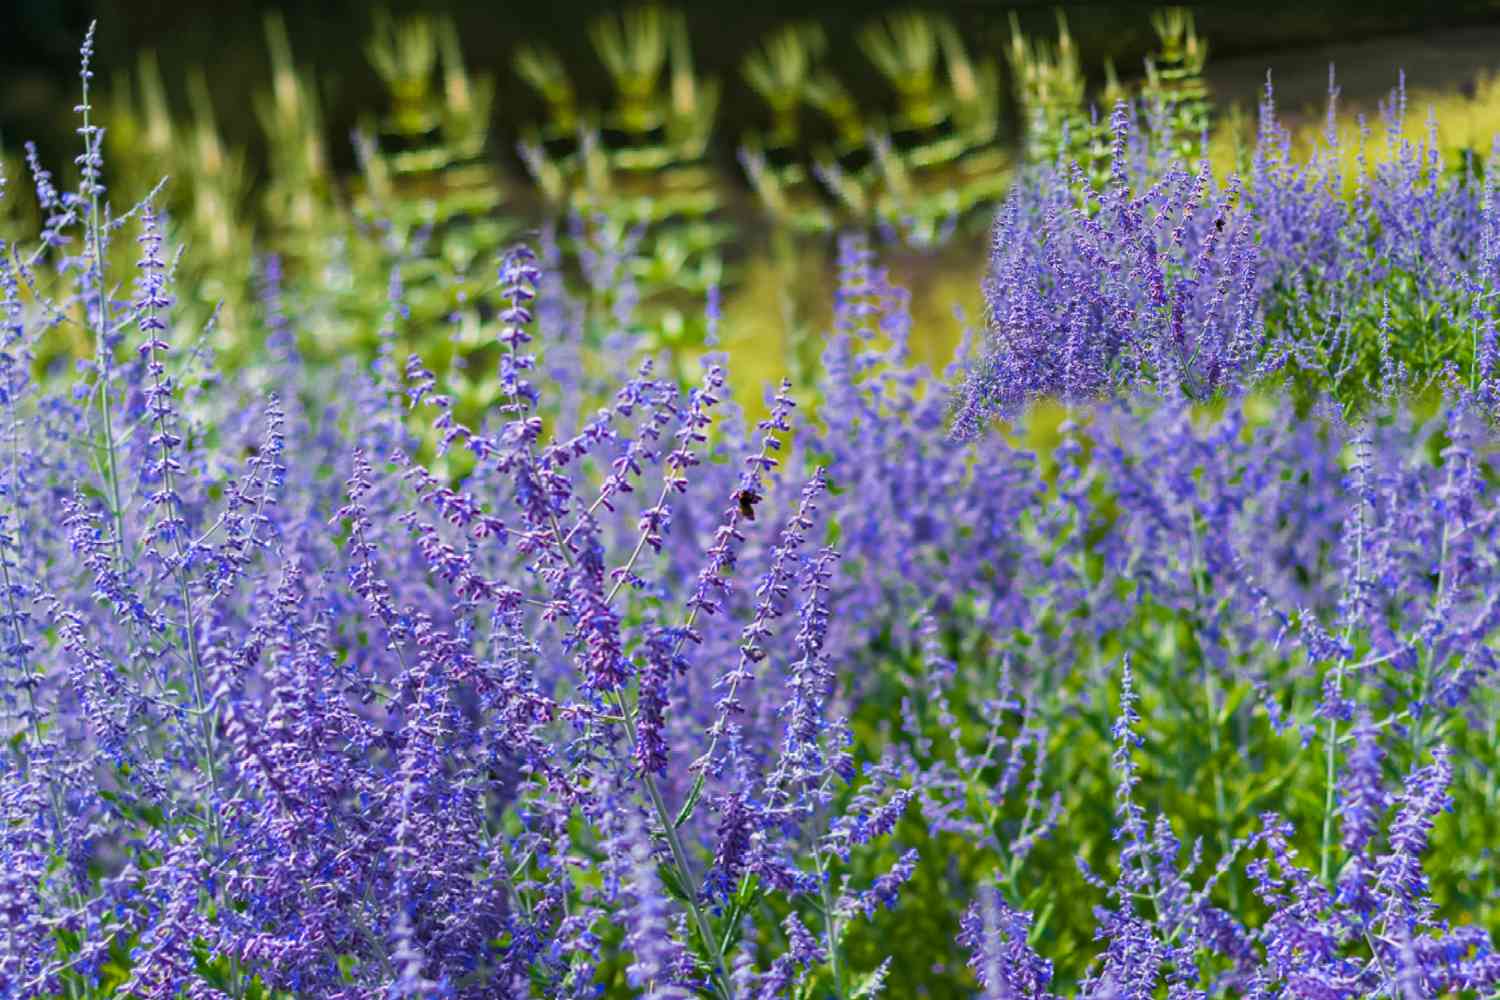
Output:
(1004, 963)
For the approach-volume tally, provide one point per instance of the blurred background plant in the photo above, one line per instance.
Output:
(725, 184)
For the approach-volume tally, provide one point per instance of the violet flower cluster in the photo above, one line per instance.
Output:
(1298, 271)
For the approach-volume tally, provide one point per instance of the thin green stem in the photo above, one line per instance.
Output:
(1424, 674)
(831, 923)
(1330, 764)
(1330, 769)
(1013, 861)
(101, 337)
(640, 545)
(690, 884)
(1210, 691)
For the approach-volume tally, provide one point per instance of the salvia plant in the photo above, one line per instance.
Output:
(1295, 273)
(1137, 654)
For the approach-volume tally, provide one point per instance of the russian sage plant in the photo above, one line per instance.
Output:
(1179, 682)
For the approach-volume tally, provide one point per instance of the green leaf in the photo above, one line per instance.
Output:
(70, 940)
(1039, 925)
(1232, 701)
(672, 883)
(746, 896)
(686, 812)
(541, 982)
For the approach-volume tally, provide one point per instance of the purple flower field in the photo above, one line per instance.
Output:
(1148, 650)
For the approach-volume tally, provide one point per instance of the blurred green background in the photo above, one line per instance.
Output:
(295, 129)
(226, 38)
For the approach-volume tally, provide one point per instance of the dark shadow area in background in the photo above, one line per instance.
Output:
(39, 43)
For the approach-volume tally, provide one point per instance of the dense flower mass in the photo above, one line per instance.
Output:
(1201, 286)
(1180, 682)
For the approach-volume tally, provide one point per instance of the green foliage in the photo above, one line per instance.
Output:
(1050, 92)
(1174, 90)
